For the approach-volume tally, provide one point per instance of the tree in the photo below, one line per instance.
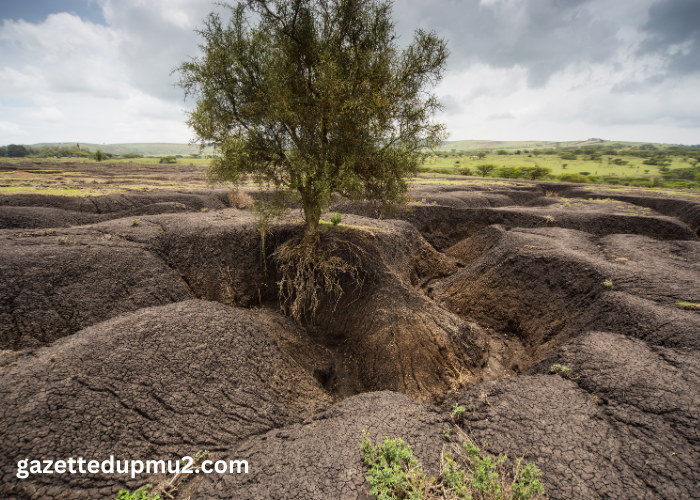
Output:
(98, 155)
(509, 172)
(17, 151)
(485, 170)
(315, 97)
(536, 172)
(481, 154)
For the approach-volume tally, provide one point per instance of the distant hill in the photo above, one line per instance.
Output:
(479, 145)
(145, 148)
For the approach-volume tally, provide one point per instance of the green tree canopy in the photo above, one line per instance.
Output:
(17, 151)
(536, 172)
(486, 169)
(316, 97)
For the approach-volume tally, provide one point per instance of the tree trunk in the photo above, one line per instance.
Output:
(312, 216)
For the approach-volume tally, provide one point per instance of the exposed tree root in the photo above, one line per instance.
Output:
(316, 271)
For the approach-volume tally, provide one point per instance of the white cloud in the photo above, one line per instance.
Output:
(52, 115)
(546, 70)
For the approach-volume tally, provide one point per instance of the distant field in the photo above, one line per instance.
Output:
(155, 148)
(90, 178)
(147, 160)
(635, 168)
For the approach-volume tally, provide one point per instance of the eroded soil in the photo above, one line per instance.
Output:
(142, 326)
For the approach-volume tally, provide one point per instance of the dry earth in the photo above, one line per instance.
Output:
(144, 327)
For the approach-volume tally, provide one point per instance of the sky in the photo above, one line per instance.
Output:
(99, 71)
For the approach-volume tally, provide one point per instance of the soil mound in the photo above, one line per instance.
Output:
(40, 217)
(35, 211)
(444, 227)
(625, 283)
(320, 459)
(627, 414)
(384, 334)
(160, 383)
(53, 286)
(686, 210)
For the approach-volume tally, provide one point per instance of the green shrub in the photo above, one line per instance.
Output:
(168, 159)
(335, 218)
(467, 473)
(509, 172)
(561, 370)
(572, 178)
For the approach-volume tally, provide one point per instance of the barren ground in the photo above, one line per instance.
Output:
(145, 325)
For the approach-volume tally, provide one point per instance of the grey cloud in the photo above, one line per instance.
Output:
(673, 31)
(154, 44)
(542, 36)
(451, 105)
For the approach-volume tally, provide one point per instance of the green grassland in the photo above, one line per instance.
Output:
(635, 168)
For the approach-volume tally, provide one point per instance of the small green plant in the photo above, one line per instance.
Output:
(135, 222)
(64, 240)
(458, 412)
(336, 218)
(688, 305)
(608, 283)
(467, 472)
(140, 494)
(392, 470)
(561, 370)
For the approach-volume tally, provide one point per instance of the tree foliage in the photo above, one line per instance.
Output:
(316, 97)
(485, 169)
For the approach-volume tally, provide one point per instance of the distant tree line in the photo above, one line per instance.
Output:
(77, 151)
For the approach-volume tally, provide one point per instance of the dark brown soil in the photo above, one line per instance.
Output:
(146, 328)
